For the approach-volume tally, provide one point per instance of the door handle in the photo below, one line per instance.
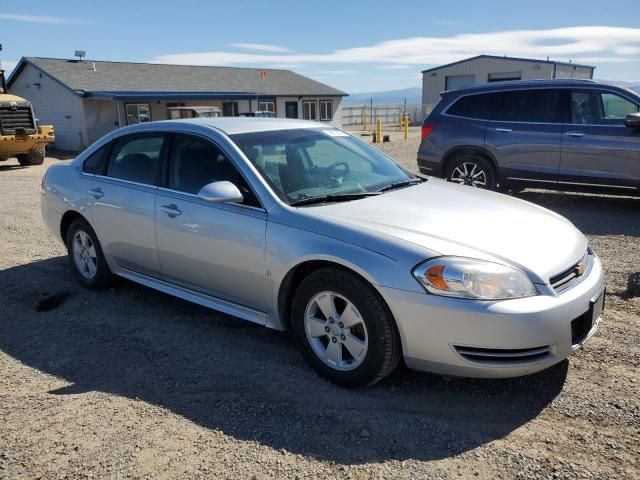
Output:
(575, 134)
(96, 193)
(504, 130)
(172, 210)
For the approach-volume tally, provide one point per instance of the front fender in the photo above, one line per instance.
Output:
(288, 247)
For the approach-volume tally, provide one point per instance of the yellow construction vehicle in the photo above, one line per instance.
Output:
(20, 134)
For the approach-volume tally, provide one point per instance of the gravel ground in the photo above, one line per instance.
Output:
(129, 382)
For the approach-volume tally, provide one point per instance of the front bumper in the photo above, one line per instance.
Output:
(505, 338)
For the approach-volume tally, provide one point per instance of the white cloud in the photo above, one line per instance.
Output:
(613, 43)
(16, 17)
(260, 47)
(337, 72)
(8, 66)
(394, 67)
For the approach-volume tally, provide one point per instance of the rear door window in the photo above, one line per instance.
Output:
(533, 106)
(136, 158)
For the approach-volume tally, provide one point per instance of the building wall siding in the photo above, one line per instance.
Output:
(574, 71)
(54, 105)
(433, 83)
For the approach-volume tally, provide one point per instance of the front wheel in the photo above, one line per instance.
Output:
(343, 328)
(472, 170)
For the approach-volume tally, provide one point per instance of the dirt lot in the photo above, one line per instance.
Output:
(133, 383)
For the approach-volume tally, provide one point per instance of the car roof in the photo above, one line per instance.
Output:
(233, 125)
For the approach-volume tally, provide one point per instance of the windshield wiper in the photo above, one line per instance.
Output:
(402, 183)
(333, 197)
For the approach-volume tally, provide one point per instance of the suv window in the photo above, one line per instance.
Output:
(195, 162)
(540, 105)
(97, 161)
(591, 107)
(136, 158)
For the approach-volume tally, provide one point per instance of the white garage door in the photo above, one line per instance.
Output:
(451, 82)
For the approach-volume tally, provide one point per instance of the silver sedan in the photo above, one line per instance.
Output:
(299, 225)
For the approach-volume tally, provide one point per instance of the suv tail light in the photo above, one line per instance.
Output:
(427, 128)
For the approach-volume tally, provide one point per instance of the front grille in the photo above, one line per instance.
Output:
(571, 275)
(501, 355)
(18, 118)
(580, 327)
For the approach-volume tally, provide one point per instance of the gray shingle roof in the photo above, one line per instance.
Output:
(148, 77)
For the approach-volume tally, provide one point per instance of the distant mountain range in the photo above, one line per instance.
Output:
(389, 97)
(413, 95)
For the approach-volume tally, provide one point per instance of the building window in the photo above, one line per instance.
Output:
(268, 106)
(326, 110)
(138, 113)
(309, 110)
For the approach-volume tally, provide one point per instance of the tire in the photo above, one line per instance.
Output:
(33, 157)
(371, 323)
(91, 267)
(473, 170)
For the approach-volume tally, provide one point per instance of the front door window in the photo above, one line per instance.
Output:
(590, 107)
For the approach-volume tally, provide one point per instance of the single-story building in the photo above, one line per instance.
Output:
(85, 99)
(491, 68)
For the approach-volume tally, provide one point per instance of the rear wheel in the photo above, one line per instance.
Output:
(86, 257)
(33, 157)
(343, 329)
(473, 170)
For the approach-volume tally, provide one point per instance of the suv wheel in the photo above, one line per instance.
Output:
(472, 170)
(86, 257)
(343, 329)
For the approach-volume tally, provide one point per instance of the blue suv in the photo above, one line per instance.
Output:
(566, 134)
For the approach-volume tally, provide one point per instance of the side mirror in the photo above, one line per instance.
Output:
(220, 192)
(632, 120)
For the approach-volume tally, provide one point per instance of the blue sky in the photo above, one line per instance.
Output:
(357, 46)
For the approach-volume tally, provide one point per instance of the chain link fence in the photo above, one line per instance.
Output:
(388, 114)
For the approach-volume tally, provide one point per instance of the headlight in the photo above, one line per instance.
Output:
(469, 278)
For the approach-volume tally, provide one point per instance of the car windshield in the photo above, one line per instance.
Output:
(308, 163)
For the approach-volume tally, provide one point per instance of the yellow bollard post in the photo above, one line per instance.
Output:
(406, 126)
(378, 130)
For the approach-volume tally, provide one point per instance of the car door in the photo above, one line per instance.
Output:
(597, 148)
(213, 248)
(121, 199)
(524, 134)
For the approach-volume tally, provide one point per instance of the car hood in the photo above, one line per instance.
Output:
(450, 219)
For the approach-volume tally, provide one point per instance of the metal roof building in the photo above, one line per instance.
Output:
(491, 68)
(84, 99)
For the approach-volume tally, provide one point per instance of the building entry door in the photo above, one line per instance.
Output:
(291, 109)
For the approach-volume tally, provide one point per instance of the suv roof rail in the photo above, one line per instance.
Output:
(510, 83)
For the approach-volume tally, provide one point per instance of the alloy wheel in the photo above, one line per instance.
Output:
(336, 331)
(84, 255)
(469, 173)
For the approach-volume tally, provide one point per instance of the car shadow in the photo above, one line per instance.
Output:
(244, 380)
(592, 214)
